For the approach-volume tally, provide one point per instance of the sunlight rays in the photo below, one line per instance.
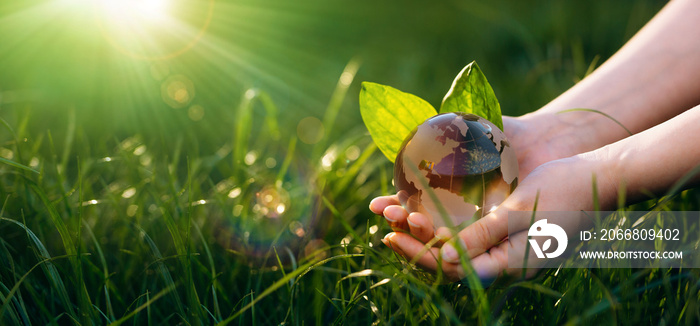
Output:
(223, 47)
(151, 29)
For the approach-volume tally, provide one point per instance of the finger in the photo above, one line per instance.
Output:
(420, 227)
(396, 216)
(413, 250)
(490, 230)
(494, 263)
(377, 205)
(475, 239)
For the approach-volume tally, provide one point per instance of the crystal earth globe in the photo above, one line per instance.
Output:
(464, 159)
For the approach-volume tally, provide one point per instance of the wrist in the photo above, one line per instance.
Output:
(606, 170)
(571, 132)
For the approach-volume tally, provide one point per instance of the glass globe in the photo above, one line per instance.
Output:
(464, 160)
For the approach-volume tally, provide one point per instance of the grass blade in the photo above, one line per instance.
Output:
(601, 113)
(17, 165)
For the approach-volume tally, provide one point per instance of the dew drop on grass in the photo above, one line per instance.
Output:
(270, 162)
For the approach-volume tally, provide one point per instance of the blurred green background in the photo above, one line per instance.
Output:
(62, 55)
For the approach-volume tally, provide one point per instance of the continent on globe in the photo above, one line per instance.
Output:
(464, 159)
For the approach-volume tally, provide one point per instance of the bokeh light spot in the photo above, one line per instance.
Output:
(6, 153)
(129, 193)
(310, 130)
(235, 192)
(237, 210)
(250, 157)
(195, 112)
(131, 210)
(352, 153)
(328, 159)
(272, 201)
(34, 162)
(140, 150)
(177, 91)
(297, 228)
(373, 229)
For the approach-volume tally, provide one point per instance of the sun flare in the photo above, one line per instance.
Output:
(128, 11)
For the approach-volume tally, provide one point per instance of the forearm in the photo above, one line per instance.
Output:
(650, 80)
(655, 159)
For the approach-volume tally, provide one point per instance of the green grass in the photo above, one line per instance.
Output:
(133, 236)
(141, 215)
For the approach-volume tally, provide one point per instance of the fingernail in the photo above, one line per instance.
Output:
(411, 223)
(449, 253)
(389, 219)
(372, 202)
(387, 238)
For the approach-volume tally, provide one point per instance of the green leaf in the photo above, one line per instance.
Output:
(471, 93)
(390, 115)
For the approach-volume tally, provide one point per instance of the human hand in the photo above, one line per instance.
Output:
(538, 139)
(485, 241)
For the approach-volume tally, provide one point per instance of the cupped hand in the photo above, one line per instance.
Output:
(563, 185)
